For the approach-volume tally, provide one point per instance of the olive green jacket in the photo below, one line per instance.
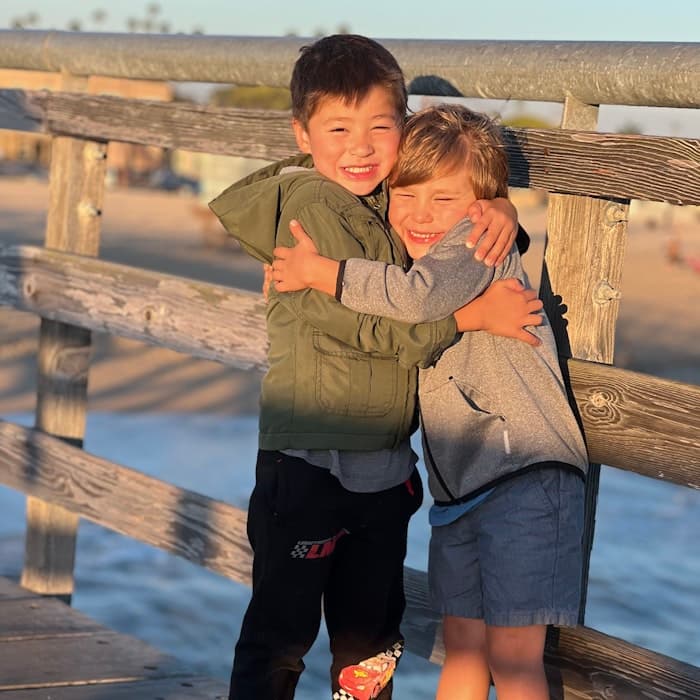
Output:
(336, 379)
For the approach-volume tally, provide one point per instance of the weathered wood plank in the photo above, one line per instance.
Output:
(208, 532)
(106, 657)
(38, 618)
(579, 161)
(206, 320)
(595, 665)
(227, 325)
(639, 422)
(76, 189)
(190, 688)
(582, 300)
(12, 591)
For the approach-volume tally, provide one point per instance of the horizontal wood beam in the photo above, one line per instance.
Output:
(638, 422)
(212, 534)
(205, 320)
(205, 531)
(631, 420)
(626, 166)
(658, 74)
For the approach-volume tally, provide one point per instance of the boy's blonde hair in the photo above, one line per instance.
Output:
(440, 139)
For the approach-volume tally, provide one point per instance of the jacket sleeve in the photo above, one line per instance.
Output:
(414, 344)
(439, 283)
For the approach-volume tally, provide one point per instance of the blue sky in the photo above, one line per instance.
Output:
(609, 20)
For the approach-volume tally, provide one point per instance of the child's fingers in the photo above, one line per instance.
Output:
(534, 307)
(503, 242)
(478, 230)
(280, 253)
(475, 211)
(528, 338)
(533, 319)
(297, 230)
(515, 284)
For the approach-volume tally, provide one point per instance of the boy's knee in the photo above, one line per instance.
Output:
(463, 635)
(515, 650)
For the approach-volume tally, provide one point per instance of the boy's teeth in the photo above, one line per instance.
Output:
(415, 234)
(359, 169)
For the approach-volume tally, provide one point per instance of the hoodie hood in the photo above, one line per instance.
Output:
(250, 208)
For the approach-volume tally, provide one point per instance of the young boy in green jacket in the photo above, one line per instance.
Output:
(335, 477)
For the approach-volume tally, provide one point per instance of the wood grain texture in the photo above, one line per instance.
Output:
(579, 161)
(41, 618)
(205, 320)
(76, 191)
(200, 529)
(638, 422)
(105, 657)
(581, 273)
(49, 650)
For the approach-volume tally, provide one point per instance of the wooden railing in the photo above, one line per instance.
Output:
(632, 421)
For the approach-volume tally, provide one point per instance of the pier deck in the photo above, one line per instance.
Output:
(49, 651)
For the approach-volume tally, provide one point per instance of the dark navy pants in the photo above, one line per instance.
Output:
(319, 547)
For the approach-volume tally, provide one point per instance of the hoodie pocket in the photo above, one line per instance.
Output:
(463, 430)
(353, 383)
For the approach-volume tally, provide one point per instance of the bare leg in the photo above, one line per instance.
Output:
(465, 674)
(515, 657)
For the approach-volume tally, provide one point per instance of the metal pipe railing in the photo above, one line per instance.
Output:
(628, 73)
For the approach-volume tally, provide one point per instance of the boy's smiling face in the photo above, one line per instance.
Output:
(353, 144)
(423, 213)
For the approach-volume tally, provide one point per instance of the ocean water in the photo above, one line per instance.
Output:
(644, 579)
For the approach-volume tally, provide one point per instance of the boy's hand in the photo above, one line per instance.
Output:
(292, 268)
(505, 309)
(302, 267)
(496, 220)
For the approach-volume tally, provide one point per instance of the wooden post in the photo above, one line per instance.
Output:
(583, 261)
(76, 190)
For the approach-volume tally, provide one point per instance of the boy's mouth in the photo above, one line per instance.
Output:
(424, 237)
(359, 171)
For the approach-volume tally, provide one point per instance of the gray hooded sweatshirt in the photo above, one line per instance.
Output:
(491, 407)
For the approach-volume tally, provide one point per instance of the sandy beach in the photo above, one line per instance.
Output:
(658, 329)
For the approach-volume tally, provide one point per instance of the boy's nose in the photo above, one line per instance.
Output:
(361, 146)
(422, 215)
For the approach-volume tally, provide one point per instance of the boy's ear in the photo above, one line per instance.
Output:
(301, 136)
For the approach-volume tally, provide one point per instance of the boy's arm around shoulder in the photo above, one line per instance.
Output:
(414, 344)
(436, 285)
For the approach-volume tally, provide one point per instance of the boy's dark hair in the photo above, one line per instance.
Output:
(347, 66)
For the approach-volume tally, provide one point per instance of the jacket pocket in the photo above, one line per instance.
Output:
(353, 383)
(465, 436)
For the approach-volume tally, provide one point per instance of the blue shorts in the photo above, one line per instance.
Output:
(515, 559)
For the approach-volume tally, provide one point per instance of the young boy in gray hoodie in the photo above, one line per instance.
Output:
(504, 452)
